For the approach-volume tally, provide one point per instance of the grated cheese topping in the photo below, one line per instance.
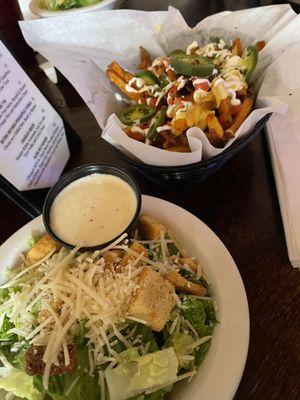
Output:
(67, 287)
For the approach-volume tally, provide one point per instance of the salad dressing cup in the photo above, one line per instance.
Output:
(91, 207)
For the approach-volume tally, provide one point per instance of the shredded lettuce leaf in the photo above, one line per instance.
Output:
(131, 379)
(32, 241)
(181, 341)
(5, 335)
(62, 387)
(17, 382)
(131, 354)
(200, 313)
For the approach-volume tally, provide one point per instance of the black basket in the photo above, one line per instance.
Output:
(195, 172)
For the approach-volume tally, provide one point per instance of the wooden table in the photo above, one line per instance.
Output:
(239, 203)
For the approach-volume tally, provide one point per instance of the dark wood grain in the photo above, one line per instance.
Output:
(239, 203)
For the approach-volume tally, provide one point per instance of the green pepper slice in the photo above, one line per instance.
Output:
(192, 65)
(160, 119)
(250, 58)
(137, 114)
(177, 52)
(163, 79)
(149, 77)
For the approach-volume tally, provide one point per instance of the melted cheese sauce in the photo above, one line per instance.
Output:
(93, 210)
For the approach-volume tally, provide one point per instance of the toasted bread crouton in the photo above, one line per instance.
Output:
(190, 262)
(112, 256)
(137, 248)
(36, 366)
(150, 228)
(154, 300)
(183, 285)
(41, 249)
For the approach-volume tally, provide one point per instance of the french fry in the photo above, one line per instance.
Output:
(208, 102)
(179, 125)
(225, 117)
(260, 45)
(237, 47)
(120, 78)
(214, 127)
(241, 116)
(235, 109)
(145, 59)
(118, 70)
(135, 135)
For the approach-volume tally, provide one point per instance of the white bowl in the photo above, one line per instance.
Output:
(220, 373)
(41, 12)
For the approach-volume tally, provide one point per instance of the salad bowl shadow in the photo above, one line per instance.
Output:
(45, 13)
(196, 172)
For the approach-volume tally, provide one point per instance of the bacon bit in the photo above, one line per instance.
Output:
(172, 95)
(135, 135)
(36, 366)
(152, 102)
(171, 74)
(203, 85)
(180, 103)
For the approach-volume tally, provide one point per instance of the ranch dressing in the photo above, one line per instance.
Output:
(93, 210)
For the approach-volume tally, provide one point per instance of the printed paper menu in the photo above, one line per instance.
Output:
(33, 144)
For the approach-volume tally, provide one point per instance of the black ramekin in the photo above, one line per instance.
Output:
(191, 173)
(81, 172)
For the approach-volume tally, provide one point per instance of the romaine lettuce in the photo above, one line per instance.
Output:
(181, 342)
(130, 379)
(5, 335)
(200, 313)
(62, 387)
(19, 383)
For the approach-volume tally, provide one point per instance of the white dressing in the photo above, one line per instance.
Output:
(93, 210)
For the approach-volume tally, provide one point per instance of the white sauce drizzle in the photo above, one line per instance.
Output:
(193, 46)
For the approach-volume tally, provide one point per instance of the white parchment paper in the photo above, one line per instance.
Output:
(82, 46)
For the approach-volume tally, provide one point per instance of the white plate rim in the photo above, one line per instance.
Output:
(220, 374)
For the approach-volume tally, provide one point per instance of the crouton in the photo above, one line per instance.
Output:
(137, 248)
(190, 262)
(150, 228)
(41, 249)
(183, 285)
(112, 256)
(36, 366)
(153, 300)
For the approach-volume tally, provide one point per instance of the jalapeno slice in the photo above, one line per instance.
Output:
(148, 77)
(192, 65)
(163, 80)
(160, 119)
(137, 114)
(177, 52)
(250, 58)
